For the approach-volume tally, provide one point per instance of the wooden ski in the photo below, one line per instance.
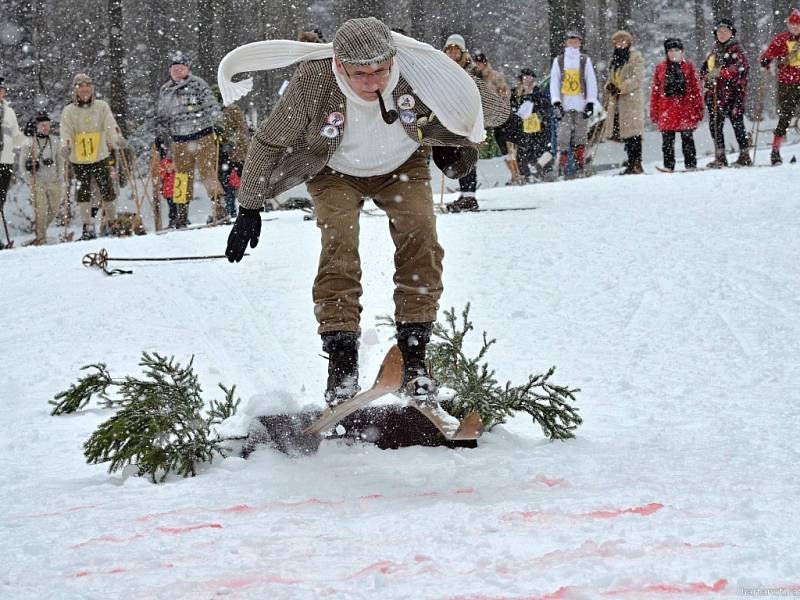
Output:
(389, 378)
(470, 428)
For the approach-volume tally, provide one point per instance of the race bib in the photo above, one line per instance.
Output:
(532, 124)
(571, 82)
(87, 145)
(795, 60)
(180, 189)
(711, 63)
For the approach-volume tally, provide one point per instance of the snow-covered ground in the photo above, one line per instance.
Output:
(672, 301)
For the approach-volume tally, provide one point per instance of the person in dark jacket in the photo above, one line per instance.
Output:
(532, 108)
(724, 74)
(676, 104)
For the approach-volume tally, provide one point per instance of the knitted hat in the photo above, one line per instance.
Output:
(80, 79)
(42, 117)
(794, 18)
(529, 72)
(456, 40)
(364, 41)
(574, 35)
(672, 43)
(179, 58)
(724, 22)
(622, 35)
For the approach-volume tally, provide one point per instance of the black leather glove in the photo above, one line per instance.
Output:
(588, 111)
(247, 228)
(612, 89)
(558, 110)
(445, 157)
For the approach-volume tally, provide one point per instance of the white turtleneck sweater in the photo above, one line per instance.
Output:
(369, 146)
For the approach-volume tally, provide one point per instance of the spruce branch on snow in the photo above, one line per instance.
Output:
(159, 426)
(80, 394)
(477, 389)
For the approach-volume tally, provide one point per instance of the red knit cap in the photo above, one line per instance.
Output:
(794, 18)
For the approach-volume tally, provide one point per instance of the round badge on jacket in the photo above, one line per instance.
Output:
(336, 119)
(406, 102)
(409, 117)
(330, 131)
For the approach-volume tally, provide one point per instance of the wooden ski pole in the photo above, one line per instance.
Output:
(67, 191)
(131, 182)
(154, 179)
(441, 196)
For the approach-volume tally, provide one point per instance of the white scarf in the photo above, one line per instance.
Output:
(439, 81)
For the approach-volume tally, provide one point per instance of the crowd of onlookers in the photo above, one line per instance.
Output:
(553, 129)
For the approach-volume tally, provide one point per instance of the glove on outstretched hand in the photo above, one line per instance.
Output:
(247, 228)
(589, 110)
(558, 110)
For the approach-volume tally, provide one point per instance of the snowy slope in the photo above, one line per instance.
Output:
(671, 300)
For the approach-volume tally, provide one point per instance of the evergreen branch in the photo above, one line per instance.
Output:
(80, 394)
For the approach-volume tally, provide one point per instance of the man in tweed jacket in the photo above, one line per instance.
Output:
(330, 131)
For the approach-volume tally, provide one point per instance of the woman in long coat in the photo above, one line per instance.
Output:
(624, 100)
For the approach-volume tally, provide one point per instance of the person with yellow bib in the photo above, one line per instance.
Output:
(784, 49)
(724, 74)
(88, 134)
(532, 109)
(573, 93)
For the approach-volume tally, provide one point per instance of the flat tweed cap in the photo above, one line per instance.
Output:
(364, 41)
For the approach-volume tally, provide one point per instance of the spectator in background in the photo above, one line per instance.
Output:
(724, 74)
(10, 138)
(189, 118)
(42, 167)
(676, 104)
(625, 100)
(89, 133)
(532, 108)
(235, 139)
(573, 94)
(784, 49)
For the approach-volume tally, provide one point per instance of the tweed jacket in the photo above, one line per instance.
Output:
(289, 147)
(185, 109)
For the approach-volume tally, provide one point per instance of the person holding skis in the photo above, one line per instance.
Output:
(573, 93)
(784, 49)
(532, 108)
(676, 104)
(724, 74)
(360, 118)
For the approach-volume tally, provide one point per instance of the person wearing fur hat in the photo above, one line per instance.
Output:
(456, 49)
(624, 99)
(573, 93)
(784, 50)
(42, 167)
(360, 118)
(724, 75)
(89, 133)
(10, 138)
(190, 119)
(676, 104)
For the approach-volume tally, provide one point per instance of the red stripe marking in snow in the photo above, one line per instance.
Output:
(114, 571)
(106, 538)
(57, 513)
(673, 588)
(180, 530)
(531, 515)
(551, 482)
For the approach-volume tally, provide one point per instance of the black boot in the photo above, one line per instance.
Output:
(342, 349)
(412, 339)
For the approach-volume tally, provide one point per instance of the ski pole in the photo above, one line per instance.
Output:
(10, 243)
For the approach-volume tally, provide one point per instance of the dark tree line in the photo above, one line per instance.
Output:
(125, 46)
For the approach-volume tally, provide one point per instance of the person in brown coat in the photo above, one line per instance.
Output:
(625, 99)
(361, 119)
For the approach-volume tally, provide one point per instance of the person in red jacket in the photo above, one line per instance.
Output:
(784, 49)
(676, 104)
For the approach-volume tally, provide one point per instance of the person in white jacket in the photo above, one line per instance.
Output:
(573, 92)
(11, 138)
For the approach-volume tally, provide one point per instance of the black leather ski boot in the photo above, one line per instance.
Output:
(342, 350)
(412, 339)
